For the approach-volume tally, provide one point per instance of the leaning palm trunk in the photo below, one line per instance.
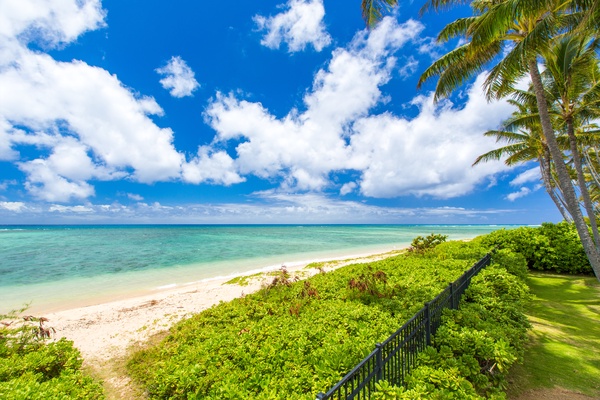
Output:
(564, 179)
(583, 189)
(590, 164)
(547, 179)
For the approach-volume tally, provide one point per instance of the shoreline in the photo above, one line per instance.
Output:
(60, 296)
(106, 330)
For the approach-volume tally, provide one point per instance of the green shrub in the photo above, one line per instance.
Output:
(475, 346)
(551, 247)
(422, 244)
(458, 250)
(515, 263)
(568, 254)
(32, 368)
(428, 383)
(292, 340)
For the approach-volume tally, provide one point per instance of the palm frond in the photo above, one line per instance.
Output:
(440, 5)
(374, 10)
(456, 28)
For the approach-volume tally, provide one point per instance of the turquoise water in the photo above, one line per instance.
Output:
(51, 267)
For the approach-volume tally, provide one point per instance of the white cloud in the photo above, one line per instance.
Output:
(521, 193)
(178, 78)
(211, 167)
(49, 22)
(14, 206)
(304, 147)
(264, 207)
(91, 125)
(5, 184)
(300, 25)
(430, 154)
(431, 47)
(70, 209)
(45, 184)
(348, 188)
(531, 175)
(409, 68)
(134, 197)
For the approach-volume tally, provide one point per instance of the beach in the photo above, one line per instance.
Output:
(105, 331)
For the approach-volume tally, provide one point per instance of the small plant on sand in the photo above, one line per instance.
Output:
(282, 278)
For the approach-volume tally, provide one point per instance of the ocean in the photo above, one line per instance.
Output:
(56, 267)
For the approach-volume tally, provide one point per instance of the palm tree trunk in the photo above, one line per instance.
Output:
(547, 179)
(564, 179)
(583, 189)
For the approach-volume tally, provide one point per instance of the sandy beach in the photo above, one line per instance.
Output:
(105, 331)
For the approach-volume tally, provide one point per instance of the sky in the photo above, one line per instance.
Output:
(243, 112)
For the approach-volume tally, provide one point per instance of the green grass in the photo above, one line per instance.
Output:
(565, 339)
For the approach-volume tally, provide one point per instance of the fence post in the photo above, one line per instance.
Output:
(320, 396)
(379, 362)
(452, 298)
(427, 324)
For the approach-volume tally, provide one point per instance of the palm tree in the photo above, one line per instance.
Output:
(571, 78)
(527, 27)
(525, 143)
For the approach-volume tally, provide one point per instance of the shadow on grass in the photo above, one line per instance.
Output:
(565, 339)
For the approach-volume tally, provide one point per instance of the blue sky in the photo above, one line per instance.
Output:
(242, 112)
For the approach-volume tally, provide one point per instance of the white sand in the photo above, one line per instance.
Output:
(105, 331)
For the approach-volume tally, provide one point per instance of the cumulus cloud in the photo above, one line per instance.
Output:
(531, 175)
(409, 68)
(50, 23)
(178, 78)
(300, 25)
(430, 154)
(211, 167)
(92, 126)
(134, 197)
(521, 193)
(88, 126)
(14, 206)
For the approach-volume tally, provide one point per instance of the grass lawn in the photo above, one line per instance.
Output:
(564, 351)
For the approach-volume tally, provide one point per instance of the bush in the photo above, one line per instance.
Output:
(475, 346)
(291, 341)
(515, 263)
(31, 368)
(422, 244)
(551, 247)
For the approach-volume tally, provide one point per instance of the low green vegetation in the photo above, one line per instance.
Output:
(32, 369)
(565, 340)
(550, 247)
(291, 339)
(243, 280)
(295, 338)
(476, 345)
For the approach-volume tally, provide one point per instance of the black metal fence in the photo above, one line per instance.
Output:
(393, 359)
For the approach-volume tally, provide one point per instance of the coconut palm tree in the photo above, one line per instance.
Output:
(525, 143)
(512, 35)
(571, 78)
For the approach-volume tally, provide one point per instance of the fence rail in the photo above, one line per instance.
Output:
(393, 359)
